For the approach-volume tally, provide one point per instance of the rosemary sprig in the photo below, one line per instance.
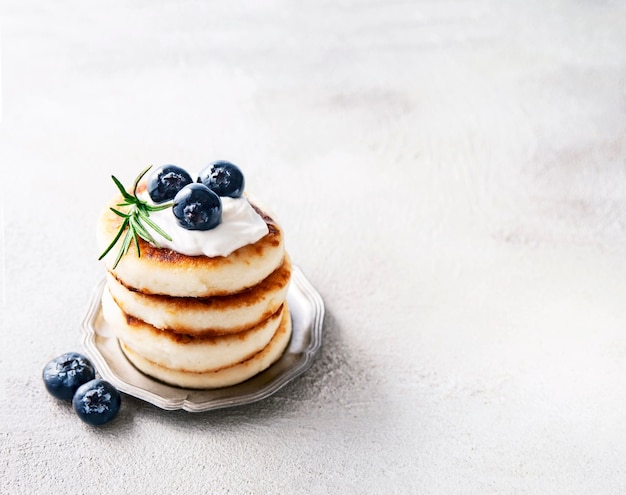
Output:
(136, 220)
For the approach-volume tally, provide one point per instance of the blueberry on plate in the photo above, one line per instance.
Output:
(196, 207)
(97, 402)
(64, 374)
(165, 181)
(223, 178)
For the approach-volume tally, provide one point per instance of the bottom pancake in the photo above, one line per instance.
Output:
(226, 376)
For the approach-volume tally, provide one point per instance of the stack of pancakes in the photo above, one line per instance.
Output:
(196, 321)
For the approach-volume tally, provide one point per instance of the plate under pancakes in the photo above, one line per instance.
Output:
(307, 315)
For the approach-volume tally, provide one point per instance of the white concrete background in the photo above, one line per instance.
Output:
(451, 177)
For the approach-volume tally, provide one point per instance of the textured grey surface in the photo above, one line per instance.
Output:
(451, 177)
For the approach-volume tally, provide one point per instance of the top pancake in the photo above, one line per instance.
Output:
(167, 272)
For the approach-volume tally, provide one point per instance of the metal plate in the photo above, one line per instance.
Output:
(307, 314)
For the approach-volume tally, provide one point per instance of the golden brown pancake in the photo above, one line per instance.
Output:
(224, 377)
(164, 271)
(218, 315)
(197, 354)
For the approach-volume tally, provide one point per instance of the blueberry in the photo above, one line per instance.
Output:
(64, 374)
(196, 207)
(224, 178)
(165, 181)
(97, 402)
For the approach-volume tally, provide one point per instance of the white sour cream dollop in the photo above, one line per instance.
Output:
(240, 225)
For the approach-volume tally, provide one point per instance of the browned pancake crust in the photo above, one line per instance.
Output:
(223, 377)
(160, 259)
(207, 339)
(165, 256)
(277, 280)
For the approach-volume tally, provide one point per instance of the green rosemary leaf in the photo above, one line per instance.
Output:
(123, 192)
(115, 239)
(138, 179)
(159, 207)
(136, 220)
(136, 238)
(146, 218)
(124, 248)
(119, 213)
(142, 232)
